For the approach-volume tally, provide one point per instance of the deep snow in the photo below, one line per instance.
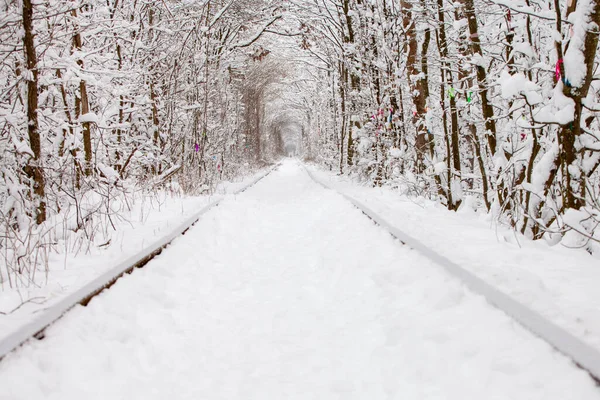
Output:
(140, 222)
(557, 282)
(288, 292)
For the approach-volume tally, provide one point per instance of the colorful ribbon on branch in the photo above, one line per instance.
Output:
(557, 69)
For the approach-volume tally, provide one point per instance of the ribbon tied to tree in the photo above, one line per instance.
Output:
(557, 73)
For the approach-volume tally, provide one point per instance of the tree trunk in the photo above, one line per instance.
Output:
(577, 91)
(342, 87)
(454, 165)
(155, 124)
(72, 151)
(487, 109)
(33, 169)
(419, 88)
(84, 105)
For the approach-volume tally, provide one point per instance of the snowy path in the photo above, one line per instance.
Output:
(289, 292)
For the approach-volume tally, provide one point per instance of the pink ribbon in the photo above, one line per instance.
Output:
(557, 71)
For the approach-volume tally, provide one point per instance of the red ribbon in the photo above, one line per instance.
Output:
(557, 70)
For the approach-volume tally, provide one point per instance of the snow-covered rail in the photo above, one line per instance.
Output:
(582, 354)
(85, 294)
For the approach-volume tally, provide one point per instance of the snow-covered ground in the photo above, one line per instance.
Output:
(145, 220)
(557, 282)
(289, 292)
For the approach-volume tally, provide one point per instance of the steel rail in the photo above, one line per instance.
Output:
(582, 354)
(36, 328)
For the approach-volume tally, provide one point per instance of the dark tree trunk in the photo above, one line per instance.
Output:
(84, 105)
(33, 169)
(487, 109)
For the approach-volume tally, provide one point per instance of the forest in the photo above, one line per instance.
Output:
(486, 104)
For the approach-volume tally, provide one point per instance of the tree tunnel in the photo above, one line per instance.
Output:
(287, 134)
(278, 113)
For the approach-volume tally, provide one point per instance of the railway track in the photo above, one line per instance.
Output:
(83, 296)
(582, 354)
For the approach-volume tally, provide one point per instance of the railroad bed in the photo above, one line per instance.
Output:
(288, 291)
